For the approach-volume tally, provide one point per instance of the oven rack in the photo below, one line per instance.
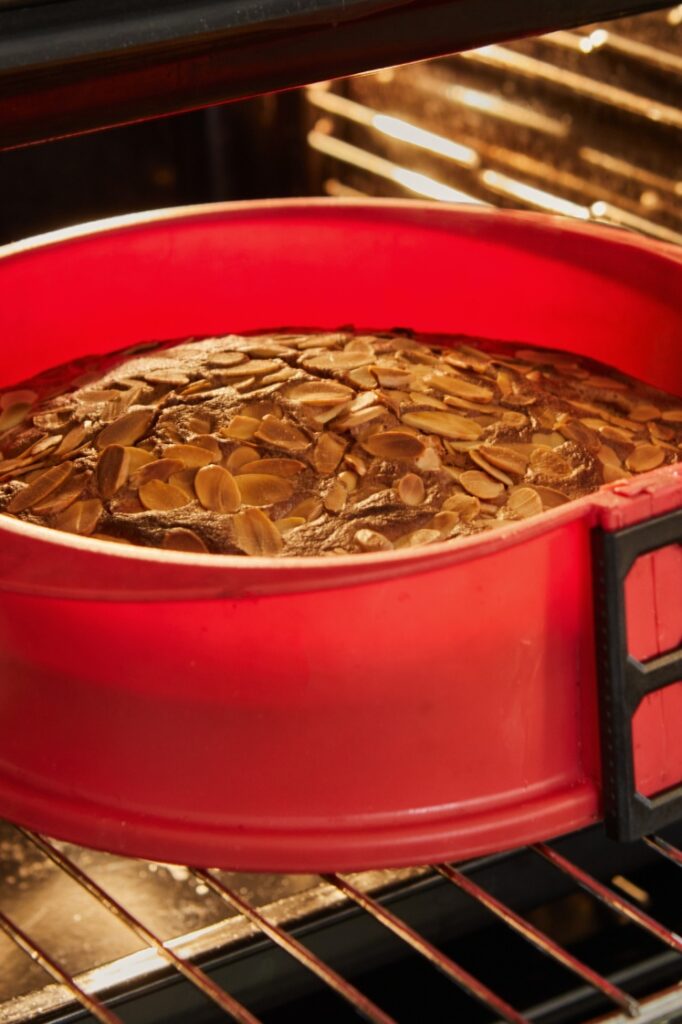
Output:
(556, 123)
(369, 894)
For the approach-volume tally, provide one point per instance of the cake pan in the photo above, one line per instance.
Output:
(319, 713)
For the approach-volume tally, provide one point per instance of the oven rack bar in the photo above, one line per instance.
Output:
(91, 1003)
(649, 1009)
(192, 973)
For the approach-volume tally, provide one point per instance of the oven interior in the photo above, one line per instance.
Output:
(583, 122)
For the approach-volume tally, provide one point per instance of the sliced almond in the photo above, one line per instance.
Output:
(524, 502)
(370, 540)
(72, 440)
(356, 419)
(362, 377)
(255, 533)
(137, 457)
(44, 445)
(608, 457)
(81, 517)
(209, 442)
(336, 497)
(64, 496)
(445, 522)
(321, 393)
(645, 457)
(184, 481)
(550, 497)
(252, 368)
(182, 539)
(308, 509)
(241, 428)
(419, 537)
(223, 359)
(477, 458)
(13, 415)
(328, 453)
(192, 456)
(391, 376)
(330, 361)
(282, 434)
(670, 416)
(349, 480)
(289, 523)
(466, 506)
(612, 474)
(13, 398)
(574, 430)
(447, 424)
(217, 489)
(395, 445)
(411, 489)
(273, 467)
(113, 466)
(507, 459)
(644, 411)
(158, 496)
(38, 489)
(262, 489)
(480, 484)
(127, 429)
(356, 463)
(459, 387)
(417, 398)
(240, 457)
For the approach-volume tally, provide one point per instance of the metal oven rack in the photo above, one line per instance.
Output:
(585, 123)
(490, 889)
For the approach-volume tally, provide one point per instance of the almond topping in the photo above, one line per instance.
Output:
(217, 489)
(395, 445)
(328, 453)
(82, 517)
(241, 427)
(645, 457)
(411, 489)
(157, 496)
(39, 488)
(370, 540)
(281, 434)
(480, 484)
(255, 533)
(262, 489)
(447, 424)
(524, 502)
(112, 469)
(126, 430)
(181, 539)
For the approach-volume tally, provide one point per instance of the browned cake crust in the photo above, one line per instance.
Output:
(320, 443)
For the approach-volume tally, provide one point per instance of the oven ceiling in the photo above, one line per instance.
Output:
(71, 66)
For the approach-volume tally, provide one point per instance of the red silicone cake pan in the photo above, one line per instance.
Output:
(317, 713)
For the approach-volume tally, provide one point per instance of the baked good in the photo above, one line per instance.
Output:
(315, 443)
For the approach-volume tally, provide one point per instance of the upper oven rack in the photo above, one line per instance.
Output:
(71, 66)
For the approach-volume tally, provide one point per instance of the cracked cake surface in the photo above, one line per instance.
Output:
(311, 442)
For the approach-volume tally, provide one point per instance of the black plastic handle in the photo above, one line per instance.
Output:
(624, 681)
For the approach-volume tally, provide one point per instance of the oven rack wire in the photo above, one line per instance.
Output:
(657, 1007)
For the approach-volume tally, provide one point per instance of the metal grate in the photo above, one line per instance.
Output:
(356, 890)
(585, 123)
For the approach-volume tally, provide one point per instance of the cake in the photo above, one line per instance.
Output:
(320, 443)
